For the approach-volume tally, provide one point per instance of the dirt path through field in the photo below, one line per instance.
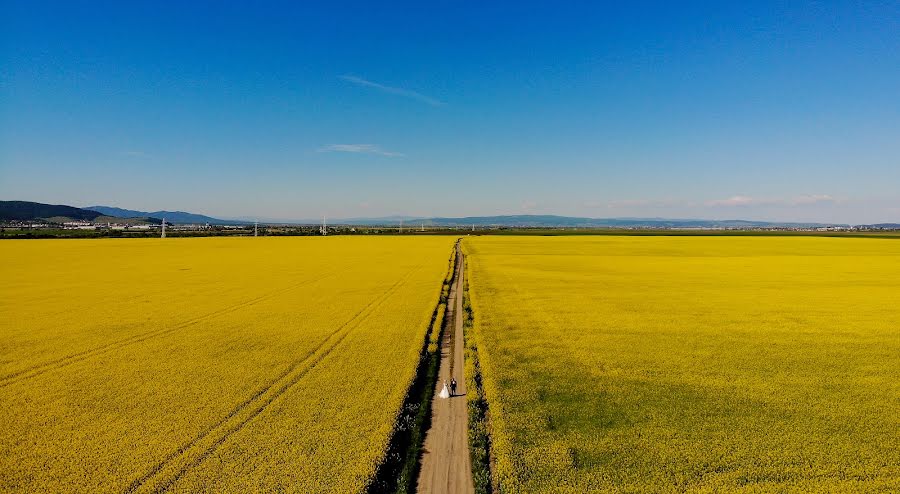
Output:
(445, 461)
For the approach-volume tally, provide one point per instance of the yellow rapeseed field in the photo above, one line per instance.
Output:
(217, 364)
(689, 364)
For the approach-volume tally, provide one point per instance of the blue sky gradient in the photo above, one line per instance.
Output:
(753, 110)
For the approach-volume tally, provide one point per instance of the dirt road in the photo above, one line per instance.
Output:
(445, 462)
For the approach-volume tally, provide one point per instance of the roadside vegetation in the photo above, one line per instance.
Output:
(476, 403)
(400, 465)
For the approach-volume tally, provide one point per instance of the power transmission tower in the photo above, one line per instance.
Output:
(401, 226)
(163, 235)
(324, 226)
(255, 228)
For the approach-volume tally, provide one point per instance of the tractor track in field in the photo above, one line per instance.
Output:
(37, 370)
(257, 403)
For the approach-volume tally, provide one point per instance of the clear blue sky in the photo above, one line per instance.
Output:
(721, 110)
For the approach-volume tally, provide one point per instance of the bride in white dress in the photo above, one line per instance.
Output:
(444, 392)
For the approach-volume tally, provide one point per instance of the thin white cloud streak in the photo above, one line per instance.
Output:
(646, 203)
(359, 81)
(636, 203)
(812, 199)
(730, 202)
(734, 201)
(359, 148)
(740, 200)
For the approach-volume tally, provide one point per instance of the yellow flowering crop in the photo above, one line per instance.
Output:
(218, 364)
(690, 364)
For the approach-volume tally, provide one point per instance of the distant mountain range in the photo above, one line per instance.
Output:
(178, 217)
(553, 221)
(25, 211)
(59, 213)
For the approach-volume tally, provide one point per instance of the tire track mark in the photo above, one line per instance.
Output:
(356, 318)
(59, 363)
(258, 401)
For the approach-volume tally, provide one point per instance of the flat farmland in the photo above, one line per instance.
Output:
(208, 364)
(678, 364)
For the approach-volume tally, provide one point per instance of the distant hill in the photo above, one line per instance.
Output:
(26, 211)
(384, 220)
(58, 213)
(139, 220)
(179, 217)
(553, 221)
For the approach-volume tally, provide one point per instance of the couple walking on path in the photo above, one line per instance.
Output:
(446, 466)
(452, 392)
